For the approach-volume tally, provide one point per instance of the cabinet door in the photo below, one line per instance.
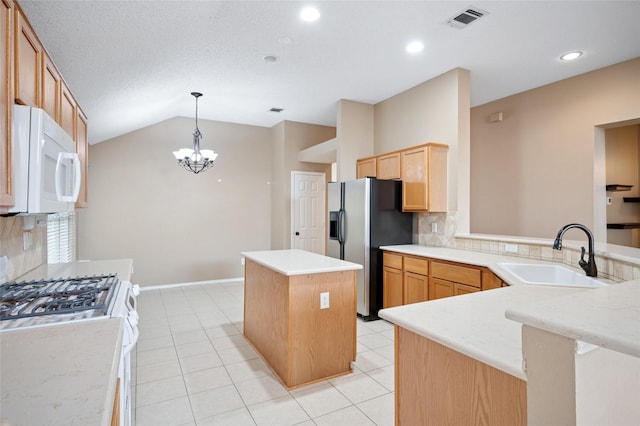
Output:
(391, 287)
(366, 167)
(68, 112)
(27, 62)
(416, 287)
(424, 178)
(6, 101)
(388, 166)
(82, 148)
(51, 87)
(440, 288)
(463, 289)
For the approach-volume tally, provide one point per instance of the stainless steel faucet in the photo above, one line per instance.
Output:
(588, 266)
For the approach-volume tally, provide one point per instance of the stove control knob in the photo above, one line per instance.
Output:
(135, 289)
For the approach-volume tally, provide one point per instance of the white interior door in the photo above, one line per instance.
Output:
(308, 212)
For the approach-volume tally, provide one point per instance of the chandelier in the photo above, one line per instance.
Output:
(195, 160)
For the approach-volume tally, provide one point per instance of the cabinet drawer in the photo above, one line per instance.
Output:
(457, 273)
(416, 265)
(392, 260)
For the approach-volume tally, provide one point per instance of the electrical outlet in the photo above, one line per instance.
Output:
(609, 201)
(434, 228)
(511, 248)
(324, 300)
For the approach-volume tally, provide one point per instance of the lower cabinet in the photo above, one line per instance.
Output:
(411, 279)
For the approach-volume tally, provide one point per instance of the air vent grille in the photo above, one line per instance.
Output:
(463, 19)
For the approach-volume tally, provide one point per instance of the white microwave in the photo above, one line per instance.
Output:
(46, 167)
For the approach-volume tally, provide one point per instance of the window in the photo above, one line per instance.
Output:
(61, 238)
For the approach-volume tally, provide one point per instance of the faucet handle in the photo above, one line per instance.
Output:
(583, 264)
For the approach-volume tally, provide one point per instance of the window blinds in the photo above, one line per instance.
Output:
(61, 238)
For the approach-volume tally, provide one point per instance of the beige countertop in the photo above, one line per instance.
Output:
(476, 325)
(122, 267)
(60, 375)
(299, 262)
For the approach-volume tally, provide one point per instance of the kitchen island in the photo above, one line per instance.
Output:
(300, 313)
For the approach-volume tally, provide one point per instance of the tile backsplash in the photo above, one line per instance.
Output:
(609, 266)
(12, 245)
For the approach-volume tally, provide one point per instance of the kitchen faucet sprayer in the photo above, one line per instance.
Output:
(588, 266)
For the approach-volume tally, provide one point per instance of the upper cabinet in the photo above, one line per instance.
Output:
(366, 167)
(389, 166)
(27, 57)
(51, 88)
(82, 147)
(424, 178)
(423, 170)
(28, 76)
(6, 101)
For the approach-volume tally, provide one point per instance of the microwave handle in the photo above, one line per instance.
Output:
(77, 177)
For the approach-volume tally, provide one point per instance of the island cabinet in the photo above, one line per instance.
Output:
(436, 385)
(301, 320)
(6, 101)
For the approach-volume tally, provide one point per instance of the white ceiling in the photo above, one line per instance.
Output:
(131, 64)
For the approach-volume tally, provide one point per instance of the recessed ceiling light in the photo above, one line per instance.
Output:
(415, 47)
(310, 14)
(571, 56)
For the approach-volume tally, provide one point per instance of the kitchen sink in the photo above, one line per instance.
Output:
(554, 275)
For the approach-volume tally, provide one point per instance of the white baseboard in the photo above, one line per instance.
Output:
(165, 286)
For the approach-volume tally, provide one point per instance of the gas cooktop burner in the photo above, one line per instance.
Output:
(57, 296)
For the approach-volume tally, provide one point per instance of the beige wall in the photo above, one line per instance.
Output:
(176, 226)
(289, 138)
(538, 169)
(354, 135)
(434, 111)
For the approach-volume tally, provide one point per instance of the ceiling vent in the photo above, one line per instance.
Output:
(466, 17)
(274, 109)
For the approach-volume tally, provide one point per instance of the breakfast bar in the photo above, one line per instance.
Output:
(300, 313)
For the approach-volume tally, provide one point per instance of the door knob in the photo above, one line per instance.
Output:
(297, 233)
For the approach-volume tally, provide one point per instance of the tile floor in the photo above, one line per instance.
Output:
(193, 367)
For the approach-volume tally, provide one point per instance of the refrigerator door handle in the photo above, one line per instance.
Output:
(341, 226)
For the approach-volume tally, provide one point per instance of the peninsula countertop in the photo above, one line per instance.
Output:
(60, 374)
(299, 262)
(476, 324)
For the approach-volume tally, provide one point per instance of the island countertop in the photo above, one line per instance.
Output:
(60, 374)
(299, 262)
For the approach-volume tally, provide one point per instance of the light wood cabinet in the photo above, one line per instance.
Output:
(68, 112)
(416, 279)
(392, 290)
(452, 279)
(436, 385)
(51, 88)
(366, 167)
(424, 178)
(6, 102)
(82, 148)
(388, 166)
(424, 279)
(115, 412)
(27, 56)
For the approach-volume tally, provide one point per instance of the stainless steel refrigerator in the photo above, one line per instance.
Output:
(365, 214)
